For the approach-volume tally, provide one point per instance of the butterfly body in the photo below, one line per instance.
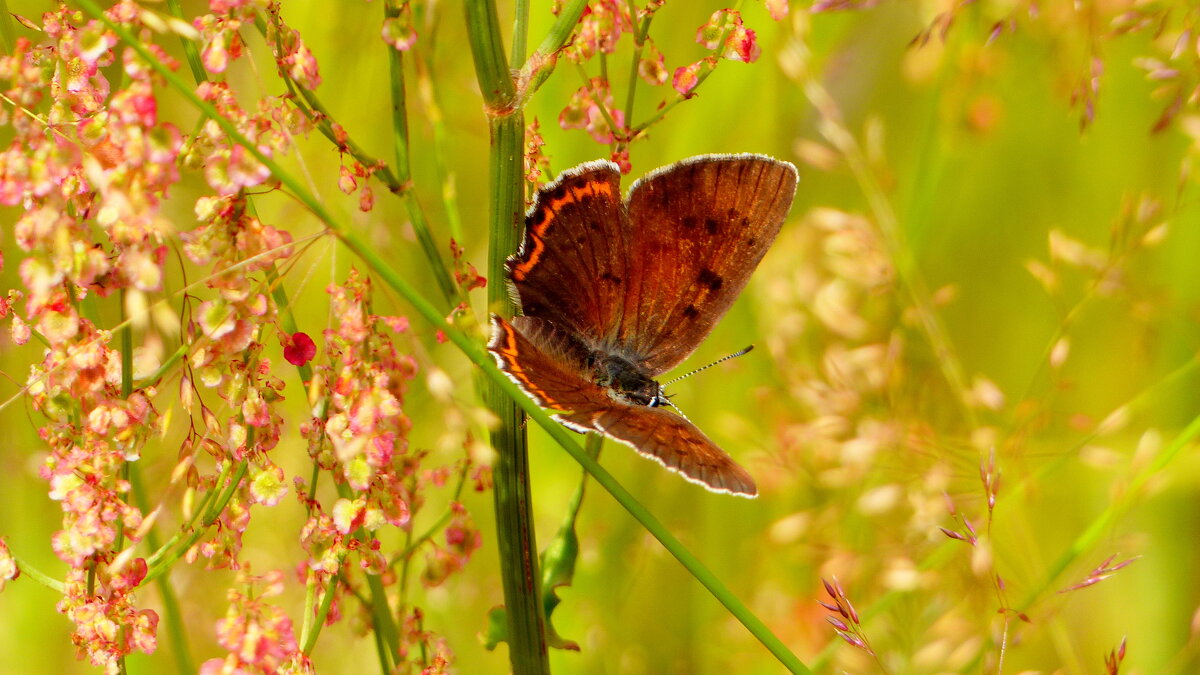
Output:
(615, 292)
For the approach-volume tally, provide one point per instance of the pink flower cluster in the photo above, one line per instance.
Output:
(257, 635)
(90, 166)
(603, 23)
(363, 439)
(591, 107)
(107, 625)
(86, 160)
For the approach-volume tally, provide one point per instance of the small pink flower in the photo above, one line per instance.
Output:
(686, 78)
(303, 65)
(620, 157)
(709, 34)
(398, 31)
(8, 565)
(299, 349)
(591, 108)
(20, 331)
(652, 67)
(214, 56)
(366, 199)
(346, 181)
(599, 29)
(740, 43)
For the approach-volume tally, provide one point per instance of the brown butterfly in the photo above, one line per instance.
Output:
(616, 292)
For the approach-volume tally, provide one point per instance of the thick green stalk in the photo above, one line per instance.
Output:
(511, 493)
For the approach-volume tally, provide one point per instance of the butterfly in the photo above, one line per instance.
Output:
(615, 292)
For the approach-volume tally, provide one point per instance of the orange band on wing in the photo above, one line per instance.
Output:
(548, 211)
(508, 352)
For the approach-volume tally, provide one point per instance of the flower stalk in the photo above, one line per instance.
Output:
(528, 652)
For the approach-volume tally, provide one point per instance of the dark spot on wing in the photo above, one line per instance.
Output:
(555, 194)
(611, 278)
(594, 225)
(690, 222)
(537, 217)
(690, 312)
(712, 225)
(688, 180)
(751, 241)
(710, 278)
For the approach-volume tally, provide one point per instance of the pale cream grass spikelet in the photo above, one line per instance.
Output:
(879, 500)
(859, 372)
(791, 528)
(836, 305)
(1073, 252)
(985, 393)
(901, 574)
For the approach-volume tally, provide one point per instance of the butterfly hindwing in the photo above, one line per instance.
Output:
(671, 441)
(547, 364)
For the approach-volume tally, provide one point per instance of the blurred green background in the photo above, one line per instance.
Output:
(905, 340)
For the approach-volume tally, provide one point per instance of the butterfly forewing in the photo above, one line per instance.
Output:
(700, 228)
(572, 266)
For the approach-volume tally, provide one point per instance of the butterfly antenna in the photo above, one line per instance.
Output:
(668, 402)
(720, 360)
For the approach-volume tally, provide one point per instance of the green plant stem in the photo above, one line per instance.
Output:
(1117, 507)
(520, 35)
(126, 334)
(387, 635)
(318, 621)
(639, 45)
(161, 562)
(473, 351)
(27, 569)
(437, 124)
(541, 62)
(401, 144)
(306, 625)
(174, 623)
(132, 473)
(175, 9)
(528, 651)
